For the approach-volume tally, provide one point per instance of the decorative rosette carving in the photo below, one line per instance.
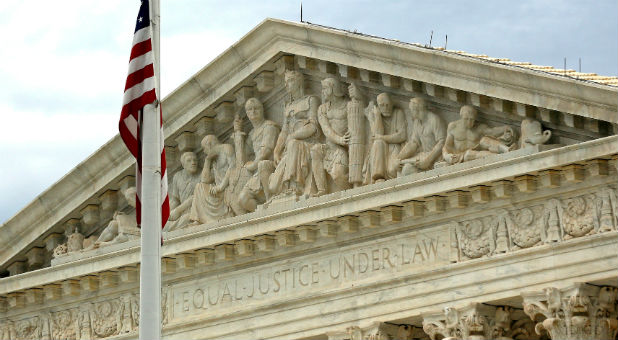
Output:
(475, 238)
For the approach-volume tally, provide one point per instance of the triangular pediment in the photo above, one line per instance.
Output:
(574, 110)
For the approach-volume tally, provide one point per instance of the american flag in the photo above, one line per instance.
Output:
(140, 90)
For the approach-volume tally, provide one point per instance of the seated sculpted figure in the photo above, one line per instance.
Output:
(261, 143)
(332, 157)
(467, 139)
(123, 226)
(211, 201)
(425, 141)
(299, 133)
(181, 192)
(388, 131)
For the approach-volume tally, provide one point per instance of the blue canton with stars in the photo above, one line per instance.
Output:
(143, 17)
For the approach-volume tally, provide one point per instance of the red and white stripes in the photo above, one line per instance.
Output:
(140, 90)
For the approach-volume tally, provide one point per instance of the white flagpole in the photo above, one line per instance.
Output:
(150, 270)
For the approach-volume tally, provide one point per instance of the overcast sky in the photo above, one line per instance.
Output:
(63, 63)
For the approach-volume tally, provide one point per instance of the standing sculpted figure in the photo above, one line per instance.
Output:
(356, 129)
(261, 142)
(424, 146)
(299, 132)
(388, 131)
(181, 192)
(211, 201)
(332, 157)
(467, 139)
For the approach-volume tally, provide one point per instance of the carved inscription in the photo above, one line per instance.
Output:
(342, 268)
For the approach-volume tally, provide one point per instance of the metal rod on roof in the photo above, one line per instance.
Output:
(430, 38)
(580, 65)
(446, 42)
(565, 66)
(301, 11)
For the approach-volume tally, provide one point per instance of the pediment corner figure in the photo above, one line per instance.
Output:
(123, 226)
(467, 139)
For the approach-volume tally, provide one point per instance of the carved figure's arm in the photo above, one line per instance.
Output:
(311, 127)
(408, 150)
(239, 140)
(330, 134)
(496, 131)
(268, 143)
(400, 129)
(206, 176)
(449, 143)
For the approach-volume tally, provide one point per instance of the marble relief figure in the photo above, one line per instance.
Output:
(532, 133)
(356, 130)
(426, 139)
(467, 139)
(261, 142)
(300, 131)
(332, 157)
(388, 132)
(123, 226)
(211, 200)
(181, 192)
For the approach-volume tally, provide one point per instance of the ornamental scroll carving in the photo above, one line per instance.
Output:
(557, 220)
(381, 331)
(579, 312)
(96, 320)
(478, 321)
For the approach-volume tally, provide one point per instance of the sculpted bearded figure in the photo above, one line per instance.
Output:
(181, 191)
(261, 143)
(332, 157)
(388, 129)
(299, 132)
(211, 201)
(426, 139)
(356, 129)
(467, 139)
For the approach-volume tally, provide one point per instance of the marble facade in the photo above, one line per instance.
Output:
(328, 185)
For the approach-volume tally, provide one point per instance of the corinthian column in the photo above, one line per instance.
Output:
(477, 322)
(581, 311)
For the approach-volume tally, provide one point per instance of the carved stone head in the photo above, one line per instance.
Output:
(209, 142)
(385, 104)
(293, 82)
(331, 87)
(189, 162)
(129, 195)
(418, 108)
(254, 110)
(468, 115)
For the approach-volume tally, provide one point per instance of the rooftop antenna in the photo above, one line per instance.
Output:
(580, 66)
(301, 11)
(446, 42)
(430, 38)
(565, 66)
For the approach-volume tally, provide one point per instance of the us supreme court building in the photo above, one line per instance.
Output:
(326, 184)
